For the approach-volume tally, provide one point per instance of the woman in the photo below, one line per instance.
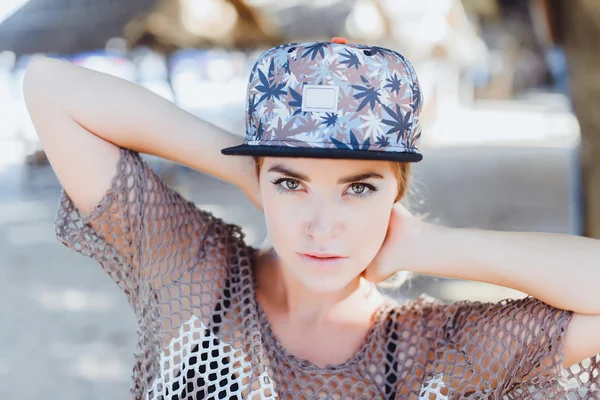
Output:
(331, 131)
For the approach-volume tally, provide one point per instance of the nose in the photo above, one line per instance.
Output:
(324, 222)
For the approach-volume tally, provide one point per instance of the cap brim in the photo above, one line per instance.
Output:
(278, 151)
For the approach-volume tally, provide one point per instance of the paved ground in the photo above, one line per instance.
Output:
(68, 332)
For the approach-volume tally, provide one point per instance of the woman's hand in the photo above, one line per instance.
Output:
(402, 249)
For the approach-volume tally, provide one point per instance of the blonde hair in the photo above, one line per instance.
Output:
(402, 171)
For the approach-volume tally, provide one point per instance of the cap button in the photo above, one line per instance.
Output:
(339, 40)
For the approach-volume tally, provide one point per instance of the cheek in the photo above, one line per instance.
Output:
(368, 230)
(280, 218)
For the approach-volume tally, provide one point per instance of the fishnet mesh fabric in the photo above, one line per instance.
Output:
(203, 335)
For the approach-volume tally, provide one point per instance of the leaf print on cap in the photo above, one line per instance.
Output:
(394, 83)
(282, 58)
(347, 102)
(356, 76)
(314, 49)
(339, 144)
(335, 68)
(382, 141)
(399, 123)
(281, 111)
(349, 121)
(299, 70)
(378, 103)
(416, 97)
(396, 64)
(320, 72)
(308, 125)
(329, 119)
(269, 90)
(279, 75)
(257, 131)
(351, 59)
(297, 102)
(252, 105)
(369, 95)
(372, 123)
(286, 67)
(401, 98)
(353, 141)
(269, 107)
(413, 140)
(284, 131)
(375, 82)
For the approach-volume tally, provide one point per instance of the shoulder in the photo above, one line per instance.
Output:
(433, 313)
(424, 314)
(422, 305)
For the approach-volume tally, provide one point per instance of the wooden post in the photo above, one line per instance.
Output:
(576, 26)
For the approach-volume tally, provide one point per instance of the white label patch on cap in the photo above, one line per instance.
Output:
(320, 98)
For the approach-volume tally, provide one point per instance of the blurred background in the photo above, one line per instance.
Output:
(511, 142)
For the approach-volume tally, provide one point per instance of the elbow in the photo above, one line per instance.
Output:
(32, 77)
(41, 93)
(40, 78)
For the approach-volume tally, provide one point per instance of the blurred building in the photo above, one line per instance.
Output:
(482, 66)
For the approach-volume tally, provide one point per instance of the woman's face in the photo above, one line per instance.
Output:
(344, 204)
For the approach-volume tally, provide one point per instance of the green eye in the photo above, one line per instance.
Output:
(358, 188)
(291, 184)
(286, 185)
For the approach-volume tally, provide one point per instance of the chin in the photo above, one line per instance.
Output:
(323, 282)
(325, 286)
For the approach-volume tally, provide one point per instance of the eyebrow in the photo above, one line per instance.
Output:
(348, 179)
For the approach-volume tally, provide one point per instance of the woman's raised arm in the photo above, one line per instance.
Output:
(82, 117)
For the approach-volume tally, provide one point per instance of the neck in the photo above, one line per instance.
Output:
(304, 307)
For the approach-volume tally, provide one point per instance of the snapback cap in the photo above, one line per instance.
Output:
(332, 100)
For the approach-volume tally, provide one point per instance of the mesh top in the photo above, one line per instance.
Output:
(202, 334)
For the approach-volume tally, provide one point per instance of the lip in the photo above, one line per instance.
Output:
(324, 261)
(322, 255)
